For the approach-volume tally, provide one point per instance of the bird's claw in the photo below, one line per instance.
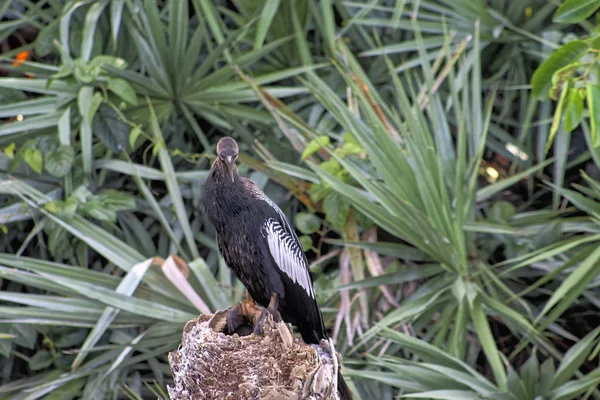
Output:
(273, 309)
(258, 328)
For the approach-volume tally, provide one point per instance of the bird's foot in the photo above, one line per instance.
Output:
(273, 309)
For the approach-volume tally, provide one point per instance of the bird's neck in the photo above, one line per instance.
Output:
(221, 173)
(226, 196)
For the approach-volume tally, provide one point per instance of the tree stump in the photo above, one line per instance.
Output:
(211, 363)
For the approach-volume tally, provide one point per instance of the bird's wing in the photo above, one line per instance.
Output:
(284, 244)
(288, 255)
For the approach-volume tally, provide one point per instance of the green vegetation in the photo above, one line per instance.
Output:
(446, 188)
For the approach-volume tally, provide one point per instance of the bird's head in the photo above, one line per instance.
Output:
(227, 150)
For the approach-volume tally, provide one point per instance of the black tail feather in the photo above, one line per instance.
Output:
(343, 388)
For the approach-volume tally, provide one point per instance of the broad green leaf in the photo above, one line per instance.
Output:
(59, 162)
(307, 223)
(10, 150)
(336, 210)
(315, 145)
(134, 134)
(123, 89)
(86, 73)
(566, 54)
(108, 61)
(573, 11)
(33, 158)
(558, 113)
(40, 360)
(110, 129)
(574, 110)
(97, 100)
(44, 42)
(306, 242)
(547, 375)
(593, 102)
(501, 211)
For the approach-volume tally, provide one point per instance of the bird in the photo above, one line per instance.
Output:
(260, 246)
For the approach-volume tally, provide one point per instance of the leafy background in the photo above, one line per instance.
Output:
(445, 187)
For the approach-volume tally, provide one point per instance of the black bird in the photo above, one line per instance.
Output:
(261, 248)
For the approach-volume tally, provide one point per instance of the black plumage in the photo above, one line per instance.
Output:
(260, 246)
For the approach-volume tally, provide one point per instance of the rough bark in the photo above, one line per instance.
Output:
(212, 364)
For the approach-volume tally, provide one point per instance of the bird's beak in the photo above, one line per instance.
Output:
(230, 163)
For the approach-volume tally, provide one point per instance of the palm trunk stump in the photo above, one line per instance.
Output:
(210, 363)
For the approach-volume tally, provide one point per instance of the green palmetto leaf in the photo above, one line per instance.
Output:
(122, 301)
(155, 206)
(44, 105)
(575, 357)
(29, 124)
(122, 255)
(407, 275)
(32, 264)
(419, 114)
(127, 286)
(573, 389)
(572, 287)
(149, 173)
(391, 166)
(401, 221)
(91, 20)
(490, 190)
(488, 343)
(435, 294)
(384, 248)
(438, 358)
(445, 395)
(65, 22)
(173, 186)
(266, 18)
(40, 86)
(116, 15)
(84, 101)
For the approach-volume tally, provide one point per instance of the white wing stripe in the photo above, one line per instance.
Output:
(287, 255)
